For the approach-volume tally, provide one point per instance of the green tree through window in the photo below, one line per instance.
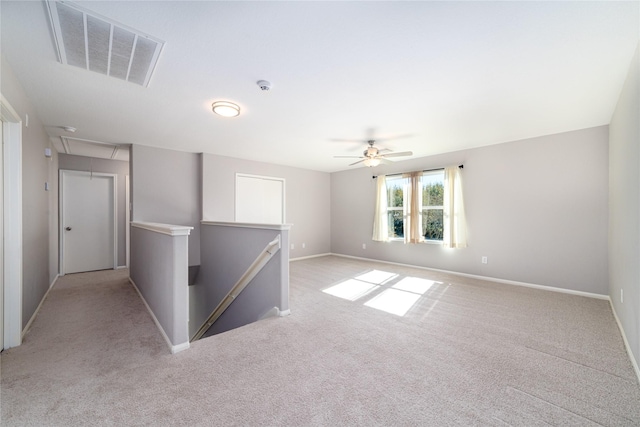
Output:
(432, 206)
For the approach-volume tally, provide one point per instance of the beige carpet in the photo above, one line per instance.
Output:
(465, 353)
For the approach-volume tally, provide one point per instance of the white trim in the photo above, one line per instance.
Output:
(121, 267)
(284, 313)
(114, 194)
(248, 225)
(35, 313)
(490, 279)
(634, 362)
(55, 280)
(180, 347)
(127, 220)
(12, 226)
(168, 229)
(310, 256)
(173, 348)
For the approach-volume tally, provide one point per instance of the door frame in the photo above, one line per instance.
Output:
(114, 195)
(12, 224)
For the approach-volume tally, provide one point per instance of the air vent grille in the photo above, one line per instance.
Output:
(87, 40)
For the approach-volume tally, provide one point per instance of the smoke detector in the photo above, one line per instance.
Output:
(264, 85)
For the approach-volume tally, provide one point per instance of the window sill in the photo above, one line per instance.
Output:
(428, 242)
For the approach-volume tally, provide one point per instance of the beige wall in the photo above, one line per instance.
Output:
(39, 207)
(624, 207)
(537, 208)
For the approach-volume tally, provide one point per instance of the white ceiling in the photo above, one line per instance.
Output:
(452, 75)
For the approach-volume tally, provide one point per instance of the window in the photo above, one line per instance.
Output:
(432, 205)
(395, 211)
(421, 206)
(431, 216)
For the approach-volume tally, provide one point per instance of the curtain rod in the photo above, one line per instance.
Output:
(425, 170)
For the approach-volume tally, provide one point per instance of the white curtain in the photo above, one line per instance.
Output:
(380, 220)
(413, 208)
(455, 229)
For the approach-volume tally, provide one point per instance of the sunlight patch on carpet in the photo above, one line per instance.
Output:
(376, 276)
(351, 289)
(402, 296)
(394, 301)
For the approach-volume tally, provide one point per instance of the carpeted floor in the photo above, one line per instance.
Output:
(458, 351)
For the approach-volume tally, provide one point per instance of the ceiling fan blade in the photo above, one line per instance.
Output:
(403, 153)
(385, 161)
(348, 157)
(359, 161)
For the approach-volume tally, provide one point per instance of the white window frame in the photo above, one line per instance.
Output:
(424, 208)
(396, 208)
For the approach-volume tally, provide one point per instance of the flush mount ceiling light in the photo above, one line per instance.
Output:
(225, 109)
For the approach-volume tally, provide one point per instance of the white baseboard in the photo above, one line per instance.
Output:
(490, 279)
(174, 348)
(634, 362)
(284, 313)
(310, 256)
(180, 347)
(55, 279)
(121, 267)
(35, 313)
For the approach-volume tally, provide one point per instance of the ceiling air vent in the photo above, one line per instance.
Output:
(87, 40)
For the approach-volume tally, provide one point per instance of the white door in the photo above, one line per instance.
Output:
(87, 221)
(260, 199)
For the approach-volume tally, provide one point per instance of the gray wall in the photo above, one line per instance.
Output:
(120, 168)
(159, 271)
(166, 188)
(624, 207)
(536, 208)
(307, 199)
(39, 207)
(227, 252)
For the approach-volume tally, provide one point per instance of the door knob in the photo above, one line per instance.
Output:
(68, 228)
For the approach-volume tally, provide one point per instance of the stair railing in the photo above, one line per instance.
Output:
(263, 258)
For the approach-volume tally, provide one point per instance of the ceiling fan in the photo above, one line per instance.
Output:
(373, 155)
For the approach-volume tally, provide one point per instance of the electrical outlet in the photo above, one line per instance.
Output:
(364, 246)
(621, 295)
(293, 246)
(485, 260)
(304, 245)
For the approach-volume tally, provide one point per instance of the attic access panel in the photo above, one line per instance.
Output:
(87, 40)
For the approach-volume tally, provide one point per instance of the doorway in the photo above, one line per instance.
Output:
(88, 221)
(11, 190)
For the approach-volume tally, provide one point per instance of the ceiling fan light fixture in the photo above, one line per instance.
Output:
(225, 109)
(371, 162)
